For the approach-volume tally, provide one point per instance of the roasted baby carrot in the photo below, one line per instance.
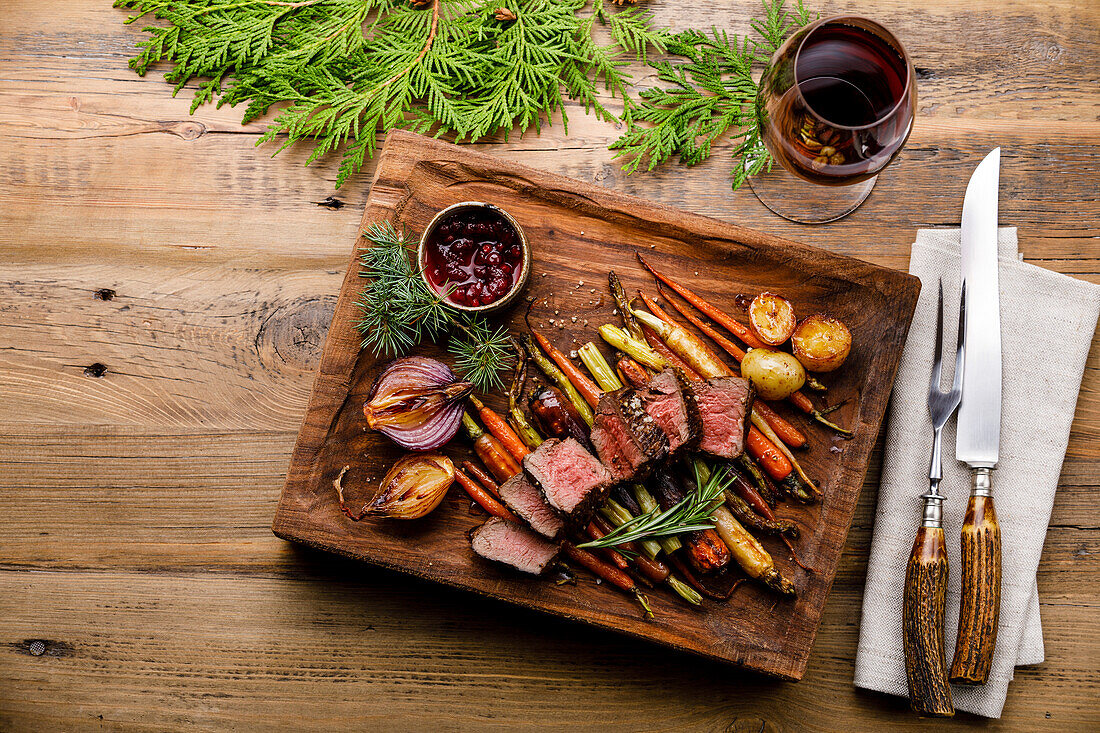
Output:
(728, 346)
(632, 372)
(584, 385)
(482, 497)
(607, 572)
(500, 429)
(482, 478)
(615, 557)
(737, 329)
(769, 457)
(788, 433)
(490, 450)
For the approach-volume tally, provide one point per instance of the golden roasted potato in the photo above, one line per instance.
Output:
(821, 343)
(772, 318)
(775, 374)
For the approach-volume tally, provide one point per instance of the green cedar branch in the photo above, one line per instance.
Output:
(344, 71)
(708, 95)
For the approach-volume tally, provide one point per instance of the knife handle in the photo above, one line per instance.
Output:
(981, 585)
(922, 624)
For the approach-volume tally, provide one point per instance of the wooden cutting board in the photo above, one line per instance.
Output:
(578, 233)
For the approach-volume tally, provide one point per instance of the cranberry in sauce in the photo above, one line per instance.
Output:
(475, 252)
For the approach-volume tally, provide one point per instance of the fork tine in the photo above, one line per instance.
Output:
(937, 361)
(960, 350)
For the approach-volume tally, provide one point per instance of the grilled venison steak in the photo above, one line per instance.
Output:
(525, 500)
(571, 479)
(625, 437)
(671, 404)
(512, 544)
(724, 404)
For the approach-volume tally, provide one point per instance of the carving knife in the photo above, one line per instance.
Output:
(979, 428)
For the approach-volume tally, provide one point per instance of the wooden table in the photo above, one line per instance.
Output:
(164, 294)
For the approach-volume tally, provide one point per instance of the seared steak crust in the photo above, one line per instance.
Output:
(670, 401)
(625, 436)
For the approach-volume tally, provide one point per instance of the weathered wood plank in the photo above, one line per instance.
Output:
(111, 499)
(170, 650)
(170, 603)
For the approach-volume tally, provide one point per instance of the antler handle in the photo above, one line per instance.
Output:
(922, 622)
(981, 585)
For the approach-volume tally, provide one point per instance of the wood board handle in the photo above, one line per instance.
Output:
(980, 605)
(922, 623)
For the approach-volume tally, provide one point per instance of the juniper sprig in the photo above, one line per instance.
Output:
(397, 312)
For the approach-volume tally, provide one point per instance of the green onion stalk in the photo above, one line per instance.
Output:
(597, 365)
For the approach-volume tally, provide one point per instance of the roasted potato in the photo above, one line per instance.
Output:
(775, 374)
(821, 343)
(772, 318)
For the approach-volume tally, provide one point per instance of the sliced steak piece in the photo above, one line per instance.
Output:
(526, 501)
(671, 404)
(513, 544)
(572, 480)
(724, 405)
(624, 435)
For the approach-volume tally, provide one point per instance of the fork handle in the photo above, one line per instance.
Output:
(922, 624)
(981, 585)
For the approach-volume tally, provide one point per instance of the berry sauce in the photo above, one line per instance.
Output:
(475, 252)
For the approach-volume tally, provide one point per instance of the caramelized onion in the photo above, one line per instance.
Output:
(413, 487)
(417, 403)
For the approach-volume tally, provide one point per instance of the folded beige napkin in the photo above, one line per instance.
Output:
(1042, 312)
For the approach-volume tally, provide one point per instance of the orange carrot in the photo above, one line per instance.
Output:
(788, 433)
(737, 329)
(610, 573)
(584, 385)
(482, 478)
(482, 497)
(501, 429)
(490, 450)
(632, 373)
(594, 533)
(774, 462)
(655, 309)
(730, 348)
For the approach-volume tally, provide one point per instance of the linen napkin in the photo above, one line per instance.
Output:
(1042, 312)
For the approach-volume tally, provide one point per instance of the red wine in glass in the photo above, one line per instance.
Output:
(835, 106)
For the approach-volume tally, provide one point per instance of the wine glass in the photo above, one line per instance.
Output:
(835, 105)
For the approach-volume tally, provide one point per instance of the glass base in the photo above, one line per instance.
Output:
(807, 203)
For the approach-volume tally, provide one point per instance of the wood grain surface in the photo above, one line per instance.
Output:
(140, 585)
(577, 231)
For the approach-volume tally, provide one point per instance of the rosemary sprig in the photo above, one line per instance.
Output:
(693, 512)
(398, 311)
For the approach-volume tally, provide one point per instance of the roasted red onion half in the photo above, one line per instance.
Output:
(417, 403)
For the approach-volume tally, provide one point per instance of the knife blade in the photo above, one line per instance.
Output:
(979, 423)
(978, 436)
